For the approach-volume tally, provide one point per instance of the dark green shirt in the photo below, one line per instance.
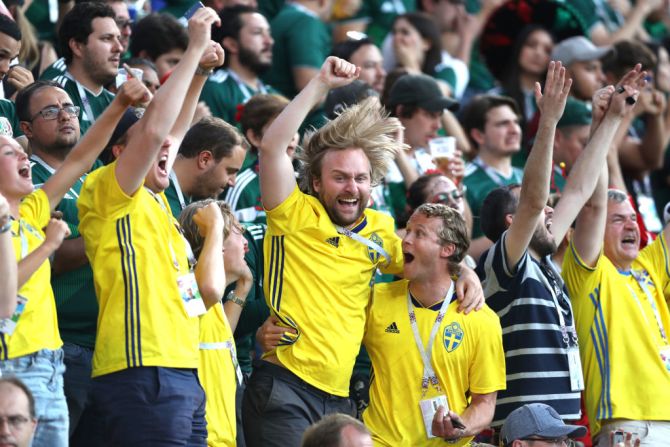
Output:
(8, 112)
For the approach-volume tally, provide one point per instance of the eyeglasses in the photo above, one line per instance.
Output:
(15, 422)
(51, 112)
(123, 23)
(553, 441)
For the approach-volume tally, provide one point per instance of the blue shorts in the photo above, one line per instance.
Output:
(152, 406)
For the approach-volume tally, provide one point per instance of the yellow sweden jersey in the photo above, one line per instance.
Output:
(318, 282)
(142, 321)
(217, 376)
(467, 357)
(37, 326)
(619, 346)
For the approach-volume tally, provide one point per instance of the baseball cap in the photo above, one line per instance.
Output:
(340, 98)
(537, 420)
(421, 90)
(577, 49)
(577, 113)
(130, 117)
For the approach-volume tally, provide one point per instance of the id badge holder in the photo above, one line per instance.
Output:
(233, 356)
(428, 409)
(575, 365)
(665, 357)
(190, 295)
(8, 325)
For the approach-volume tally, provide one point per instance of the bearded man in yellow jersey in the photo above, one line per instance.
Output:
(622, 316)
(321, 252)
(436, 371)
(145, 380)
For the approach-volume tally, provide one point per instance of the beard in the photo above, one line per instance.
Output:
(541, 242)
(253, 61)
(97, 71)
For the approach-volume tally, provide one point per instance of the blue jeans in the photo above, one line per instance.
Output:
(85, 421)
(153, 406)
(42, 372)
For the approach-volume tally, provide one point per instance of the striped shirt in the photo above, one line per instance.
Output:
(535, 352)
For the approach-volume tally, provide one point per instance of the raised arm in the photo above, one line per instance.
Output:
(610, 107)
(7, 263)
(149, 133)
(276, 171)
(590, 226)
(537, 174)
(87, 150)
(209, 272)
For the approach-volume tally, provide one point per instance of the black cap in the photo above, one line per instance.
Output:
(130, 117)
(421, 90)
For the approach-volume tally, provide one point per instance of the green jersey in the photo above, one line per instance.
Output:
(91, 104)
(301, 40)
(9, 122)
(76, 303)
(175, 197)
(224, 91)
(54, 70)
(245, 197)
(480, 179)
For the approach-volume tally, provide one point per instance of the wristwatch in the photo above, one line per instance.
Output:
(235, 299)
(203, 72)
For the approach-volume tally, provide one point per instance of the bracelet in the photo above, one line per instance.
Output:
(235, 299)
(203, 71)
(6, 224)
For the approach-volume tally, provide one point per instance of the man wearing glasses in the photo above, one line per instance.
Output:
(17, 413)
(538, 425)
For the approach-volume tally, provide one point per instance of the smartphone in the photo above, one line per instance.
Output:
(189, 13)
(457, 424)
(618, 437)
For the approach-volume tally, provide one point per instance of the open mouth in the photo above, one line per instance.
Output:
(348, 203)
(629, 241)
(25, 172)
(409, 257)
(162, 164)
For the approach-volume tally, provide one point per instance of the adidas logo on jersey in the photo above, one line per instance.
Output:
(392, 328)
(334, 241)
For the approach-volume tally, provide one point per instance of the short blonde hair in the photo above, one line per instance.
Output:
(454, 231)
(365, 126)
(190, 228)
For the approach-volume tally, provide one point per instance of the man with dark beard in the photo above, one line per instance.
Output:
(521, 282)
(245, 35)
(91, 48)
(48, 118)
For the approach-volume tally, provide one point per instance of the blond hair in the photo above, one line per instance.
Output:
(190, 228)
(454, 231)
(362, 126)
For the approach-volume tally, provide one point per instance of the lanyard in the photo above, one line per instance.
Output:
(367, 242)
(189, 251)
(177, 187)
(643, 285)
(37, 159)
(244, 88)
(84, 98)
(25, 226)
(429, 377)
(488, 170)
(555, 291)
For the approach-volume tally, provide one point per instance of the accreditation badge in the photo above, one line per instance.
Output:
(575, 365)
(190, 295)
(230, 345)
(665, 357)
(8, 325)
(428, 409)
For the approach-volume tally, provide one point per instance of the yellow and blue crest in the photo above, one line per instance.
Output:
(453, 336)
(372, 253)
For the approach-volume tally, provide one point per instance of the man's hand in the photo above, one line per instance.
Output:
(213, 56)
(19, 77)
(600, 103)
(56, 231)
(443, 425)
(200, 28)
(650, 102)
(336, 72)
(245, 279)
(270, 333)
(208, 218)
(469, 291)
(133, 91)
(551, 104)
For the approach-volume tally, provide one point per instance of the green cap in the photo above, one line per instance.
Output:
(577, 113)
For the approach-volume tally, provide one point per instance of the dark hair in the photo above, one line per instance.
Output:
(9, 27)
(78, 24)
(157, 34)
(474, 114)
(24, 96)
(510, 79)
(260, 110)
(328, 431)
(231, 22)
(345, 49)
(496, 205)
(416, 194)
(13, 380)
(391, 79)
(626, 54)
(429, 30)
(211, 134)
